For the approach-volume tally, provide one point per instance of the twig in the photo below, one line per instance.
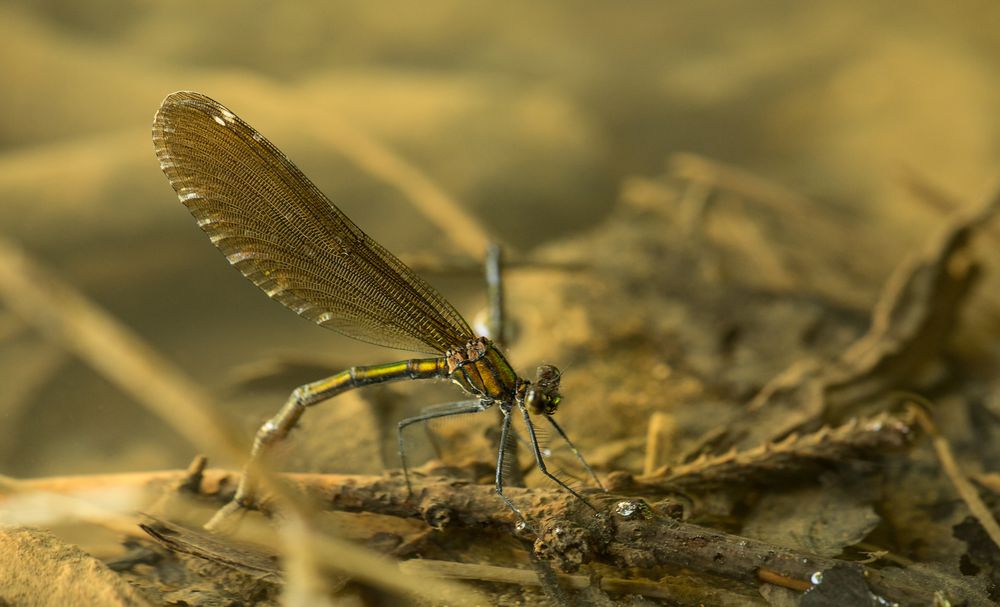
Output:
(773, 577)
(247, 558)
(989, 480)
(260, 561)
(658, 434)
(965, 489)
(928, 193)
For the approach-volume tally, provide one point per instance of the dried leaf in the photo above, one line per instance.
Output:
(822, 520)
(252, 560)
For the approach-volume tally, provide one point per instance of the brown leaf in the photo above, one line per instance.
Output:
(910, 325)
(822, 519)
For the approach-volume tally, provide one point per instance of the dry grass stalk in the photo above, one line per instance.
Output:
(958, 479)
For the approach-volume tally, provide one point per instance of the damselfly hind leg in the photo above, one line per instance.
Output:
(276, 429)
(459, 408)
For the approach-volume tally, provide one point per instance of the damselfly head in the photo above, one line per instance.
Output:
(543, 395)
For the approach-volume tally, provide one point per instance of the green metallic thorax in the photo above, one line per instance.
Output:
(482, 370)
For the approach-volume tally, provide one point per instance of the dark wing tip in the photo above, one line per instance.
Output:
(188, 97)
(188, 100)
(176, 109)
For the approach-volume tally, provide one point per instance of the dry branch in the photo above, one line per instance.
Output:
(628, 534)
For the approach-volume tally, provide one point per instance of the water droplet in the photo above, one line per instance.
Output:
(626, 508)
(817, 578)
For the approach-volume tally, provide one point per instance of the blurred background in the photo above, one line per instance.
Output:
(530, 115)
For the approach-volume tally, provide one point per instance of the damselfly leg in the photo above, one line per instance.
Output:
(459, 408)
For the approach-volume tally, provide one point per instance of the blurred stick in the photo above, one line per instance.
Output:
(379, 160)
(928, 193)
(440, 208)
(256, 558)
(659, 432)
(69, 319)
(699, 169)
(958, 479)
(486, 573)
(10, 326)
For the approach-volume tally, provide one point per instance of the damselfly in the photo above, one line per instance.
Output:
(283, 234)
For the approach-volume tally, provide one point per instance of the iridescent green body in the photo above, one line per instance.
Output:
(481, 370)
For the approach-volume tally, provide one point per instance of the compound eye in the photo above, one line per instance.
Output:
(551, 404)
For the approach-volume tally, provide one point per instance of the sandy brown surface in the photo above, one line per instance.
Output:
(731, 225)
